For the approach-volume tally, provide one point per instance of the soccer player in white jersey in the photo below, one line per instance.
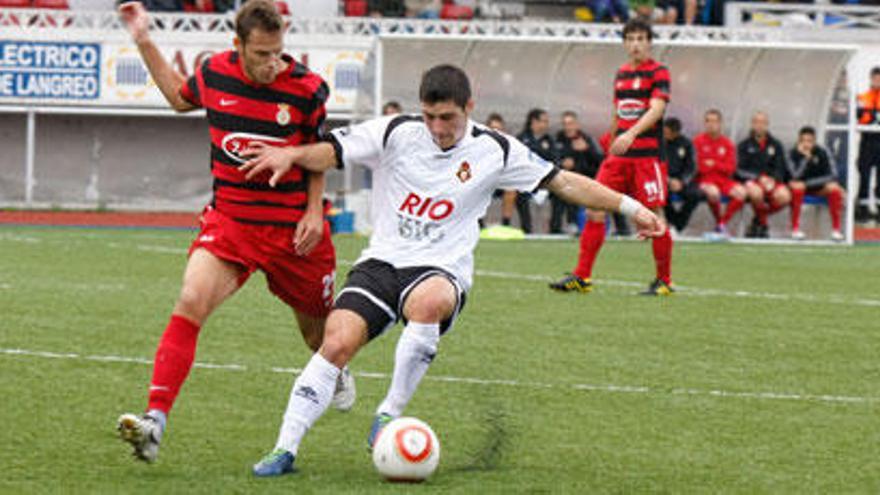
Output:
(434, 176)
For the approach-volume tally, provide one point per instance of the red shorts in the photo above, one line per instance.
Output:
(305, 283)
(642, 178)
(724, 184)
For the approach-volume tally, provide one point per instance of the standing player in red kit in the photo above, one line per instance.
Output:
(252, 94)
(634, 165)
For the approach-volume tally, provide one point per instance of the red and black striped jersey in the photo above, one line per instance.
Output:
(634, 87)
(289, 111)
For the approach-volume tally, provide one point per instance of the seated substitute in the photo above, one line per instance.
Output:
(761, 166)
(682, 171)
(577, 153)
(716, 166)
(811, 171)
(435, 175)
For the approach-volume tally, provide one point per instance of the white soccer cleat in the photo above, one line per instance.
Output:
(345, 394)
(798, 235)
(837, 236)
(143, 433)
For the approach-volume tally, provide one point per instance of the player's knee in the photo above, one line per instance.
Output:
(430, 307)
(738, 193)
(337, 347)
(193, 303)
(342, 337)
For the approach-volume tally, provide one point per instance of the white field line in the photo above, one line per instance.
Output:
(683, 290)
(596, 388)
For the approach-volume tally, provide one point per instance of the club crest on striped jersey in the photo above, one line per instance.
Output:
(464, 172)
(236, 142)
(630, 109)
(283, 115)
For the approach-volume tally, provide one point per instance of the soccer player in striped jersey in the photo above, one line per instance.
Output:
(252, 94)
(434, 176)
(635, 163)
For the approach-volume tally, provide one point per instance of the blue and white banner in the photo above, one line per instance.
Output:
(50, 70)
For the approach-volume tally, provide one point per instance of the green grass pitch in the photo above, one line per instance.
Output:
(762, 375)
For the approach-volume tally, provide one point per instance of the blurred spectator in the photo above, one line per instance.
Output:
(869, 148)
(577, 152)
(536, 137)
(811, 171)
(676, 11)
(386, 8)
(615, 11)
(392, 108)
(716, 166)
(762, 167)
(423, 9)
(644, 9)
(712, 13)
(496, 123)
(682, 172)
(161, 5)
(508, 198)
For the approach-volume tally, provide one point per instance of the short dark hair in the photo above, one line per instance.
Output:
(496, 117)
(638, 25)
(262, 14)
(569, 113)
(713, 111)
(875, 71)
(445, 83)
(392, 105)
(673, 124)
(807, 130)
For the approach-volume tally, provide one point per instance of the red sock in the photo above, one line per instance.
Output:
(835, 203)
(592, 239)
(733, 206)
(174, 358)
(797, 200)
(663, 256)
(715, 206)
(760, 212)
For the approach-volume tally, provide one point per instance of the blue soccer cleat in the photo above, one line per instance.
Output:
(379, 422)
(276, 463)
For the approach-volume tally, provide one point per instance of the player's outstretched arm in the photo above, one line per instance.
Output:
(577, 189)
(169, 81)
(316, 157)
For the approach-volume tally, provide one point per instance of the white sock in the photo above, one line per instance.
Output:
(415, 351)
(309, 398)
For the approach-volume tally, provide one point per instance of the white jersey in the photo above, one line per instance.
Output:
(426, 202)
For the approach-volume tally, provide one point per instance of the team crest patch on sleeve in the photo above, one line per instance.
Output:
(464, 172)
(283, 115)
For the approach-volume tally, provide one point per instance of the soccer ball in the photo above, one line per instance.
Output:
(406, 450)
